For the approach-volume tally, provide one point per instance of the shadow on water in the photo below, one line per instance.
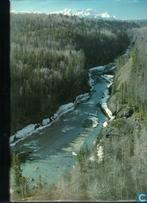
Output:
(51, 151)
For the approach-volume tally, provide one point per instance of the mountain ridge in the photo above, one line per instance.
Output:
(83, 13)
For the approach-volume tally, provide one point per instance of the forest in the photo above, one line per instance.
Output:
(50, 56)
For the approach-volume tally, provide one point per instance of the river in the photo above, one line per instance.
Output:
(51, 152)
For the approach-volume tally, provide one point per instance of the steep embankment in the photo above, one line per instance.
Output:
(124, 141)
(116, 168)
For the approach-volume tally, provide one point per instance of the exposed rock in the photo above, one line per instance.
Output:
(108, 135)
(45, 121)
(37, 126)
(125, 112)
(129, 113)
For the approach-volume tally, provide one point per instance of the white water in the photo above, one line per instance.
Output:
(51, 149)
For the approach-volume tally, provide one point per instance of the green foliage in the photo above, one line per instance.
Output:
(50, 55)
(20, 182)
(141, 112)
(17, 169)
(134, 57)
(145, 117)
(124, 92)
(40, 183)
(118, 123)
(83, 153)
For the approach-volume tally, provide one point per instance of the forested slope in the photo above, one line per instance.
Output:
(116, 168)
(50, 55)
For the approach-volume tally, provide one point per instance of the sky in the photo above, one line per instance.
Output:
(122, 9)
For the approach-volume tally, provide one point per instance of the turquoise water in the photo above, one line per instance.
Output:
(51, 150)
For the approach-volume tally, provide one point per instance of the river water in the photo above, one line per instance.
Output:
(51, 152)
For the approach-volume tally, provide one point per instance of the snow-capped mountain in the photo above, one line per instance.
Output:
(86, 13)
(89, 13)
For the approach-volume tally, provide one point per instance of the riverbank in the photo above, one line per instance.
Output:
(63, 109)
(57, 61)
(59, 143)
(115, 168)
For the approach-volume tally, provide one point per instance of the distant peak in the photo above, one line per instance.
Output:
(89, 13)
(105, 15)
(83, 13)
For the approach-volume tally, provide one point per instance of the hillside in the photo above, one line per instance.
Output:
(117, 164)
(50, 55)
